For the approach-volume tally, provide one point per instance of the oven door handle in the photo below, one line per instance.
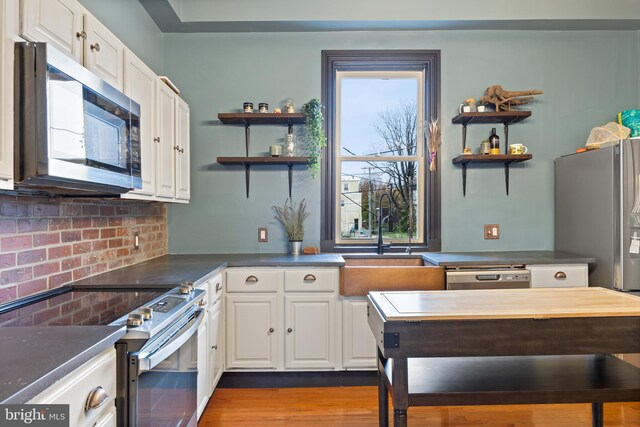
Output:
(148, 361)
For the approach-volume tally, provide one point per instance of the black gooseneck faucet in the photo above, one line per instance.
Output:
(381, 220)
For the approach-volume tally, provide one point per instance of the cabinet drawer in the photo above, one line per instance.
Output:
(559, 275)
(74, 389)
(311, 280)
(252, 280)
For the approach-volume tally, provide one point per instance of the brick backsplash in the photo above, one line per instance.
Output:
(50, 242)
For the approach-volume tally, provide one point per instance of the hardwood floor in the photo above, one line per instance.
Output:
(357, 406)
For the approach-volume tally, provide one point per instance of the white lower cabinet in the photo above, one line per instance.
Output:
(252, 331)
(358, 343)
(309, 331)
(216, 343)
(109, 419)
(559, 275)
(97, 376)
(269, 327)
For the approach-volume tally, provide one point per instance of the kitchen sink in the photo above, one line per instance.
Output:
(364, 273)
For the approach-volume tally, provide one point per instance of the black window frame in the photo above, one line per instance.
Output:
(379, 60)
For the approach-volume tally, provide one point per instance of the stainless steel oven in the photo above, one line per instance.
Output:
(74, 132)
(160, 386)
(488, 277)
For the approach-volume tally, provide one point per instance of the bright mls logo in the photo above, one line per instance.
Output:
(34, 415)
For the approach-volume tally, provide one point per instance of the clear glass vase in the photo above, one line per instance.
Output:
(289, 145)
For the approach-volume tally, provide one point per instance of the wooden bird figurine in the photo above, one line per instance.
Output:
(505, 99)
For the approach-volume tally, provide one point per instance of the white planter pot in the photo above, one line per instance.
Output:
(481, 109)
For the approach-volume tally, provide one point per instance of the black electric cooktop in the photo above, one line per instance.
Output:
(78, 307)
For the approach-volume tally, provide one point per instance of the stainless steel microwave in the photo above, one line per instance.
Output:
(74, 133)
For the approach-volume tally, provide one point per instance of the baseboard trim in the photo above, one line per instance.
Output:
(297, 379)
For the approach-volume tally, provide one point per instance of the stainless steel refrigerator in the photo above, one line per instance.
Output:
(597, 212)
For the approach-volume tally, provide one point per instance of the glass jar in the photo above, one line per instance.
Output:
(289, 145)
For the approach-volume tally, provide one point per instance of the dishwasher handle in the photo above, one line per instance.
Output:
(492, 277)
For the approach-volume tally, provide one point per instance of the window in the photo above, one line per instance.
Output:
(377, 104)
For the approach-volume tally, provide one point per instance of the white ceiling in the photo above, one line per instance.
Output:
(361, 15)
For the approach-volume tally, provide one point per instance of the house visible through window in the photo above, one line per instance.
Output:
(378, 104)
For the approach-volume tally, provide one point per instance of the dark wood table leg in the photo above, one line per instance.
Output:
(383, 395)
(597, 414)
(400, 384)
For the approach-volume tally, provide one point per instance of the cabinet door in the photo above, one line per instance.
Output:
(559, 275)
(203, 387)
(165, 172)
(216, 342)
(182, 151)
(58, 22)
(140, 85)
(309, 324)
(8, 32)
(108, 419)
(358, 342)
(252, 331)
(103, 52)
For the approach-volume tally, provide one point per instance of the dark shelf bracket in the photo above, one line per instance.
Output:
(290, 177)
(506, 177)
(247, 176)
(247, 138)
(464, 136)
(464, 180)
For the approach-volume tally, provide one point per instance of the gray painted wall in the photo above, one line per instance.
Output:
(587, 78)
(128, 20)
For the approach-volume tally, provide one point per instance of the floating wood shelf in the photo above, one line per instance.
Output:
(247, 162)
(248, 119)
(507, 159)
(261, 118)
(287, 161)
(504, 117)
(491, 117)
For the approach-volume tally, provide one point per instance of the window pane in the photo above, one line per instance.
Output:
(363, 183)
(378, 115)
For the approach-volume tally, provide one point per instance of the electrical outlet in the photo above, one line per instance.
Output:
(492, 231)
(263, 234)
(136, 241)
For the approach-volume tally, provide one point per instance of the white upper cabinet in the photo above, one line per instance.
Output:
(58, 22)
(140, 85)
(9, 31)
(165, 167)
(103, 52)
(183, 187)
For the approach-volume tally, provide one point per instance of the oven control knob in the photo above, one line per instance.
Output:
(185, 289)
(146, 312)
(135, 319)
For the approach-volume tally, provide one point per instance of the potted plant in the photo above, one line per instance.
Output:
(482, 106)
(292, 217)
(314, 133)
(467, 105)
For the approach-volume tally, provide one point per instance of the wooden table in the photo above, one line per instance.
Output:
(505, 346)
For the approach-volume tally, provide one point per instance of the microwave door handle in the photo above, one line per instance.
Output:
(148, 361)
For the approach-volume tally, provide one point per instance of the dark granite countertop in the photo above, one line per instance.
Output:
(171, 270)
(450, 259)
(33, 358)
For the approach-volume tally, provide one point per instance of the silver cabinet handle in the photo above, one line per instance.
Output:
(218, 287)
(560, 275)
(251, 279)
(156, 139)
(309, 278)
(215, 347)
(95, 46)
(271, 330)
(96, 398)
(175, 147)
(81, 35)
(289, 330)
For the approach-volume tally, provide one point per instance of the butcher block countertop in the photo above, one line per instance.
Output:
(537, 303)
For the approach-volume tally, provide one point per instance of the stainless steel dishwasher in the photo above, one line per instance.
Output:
(488, 277)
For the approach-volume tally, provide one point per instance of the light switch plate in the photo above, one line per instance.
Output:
(263, 234)
(492, 231)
